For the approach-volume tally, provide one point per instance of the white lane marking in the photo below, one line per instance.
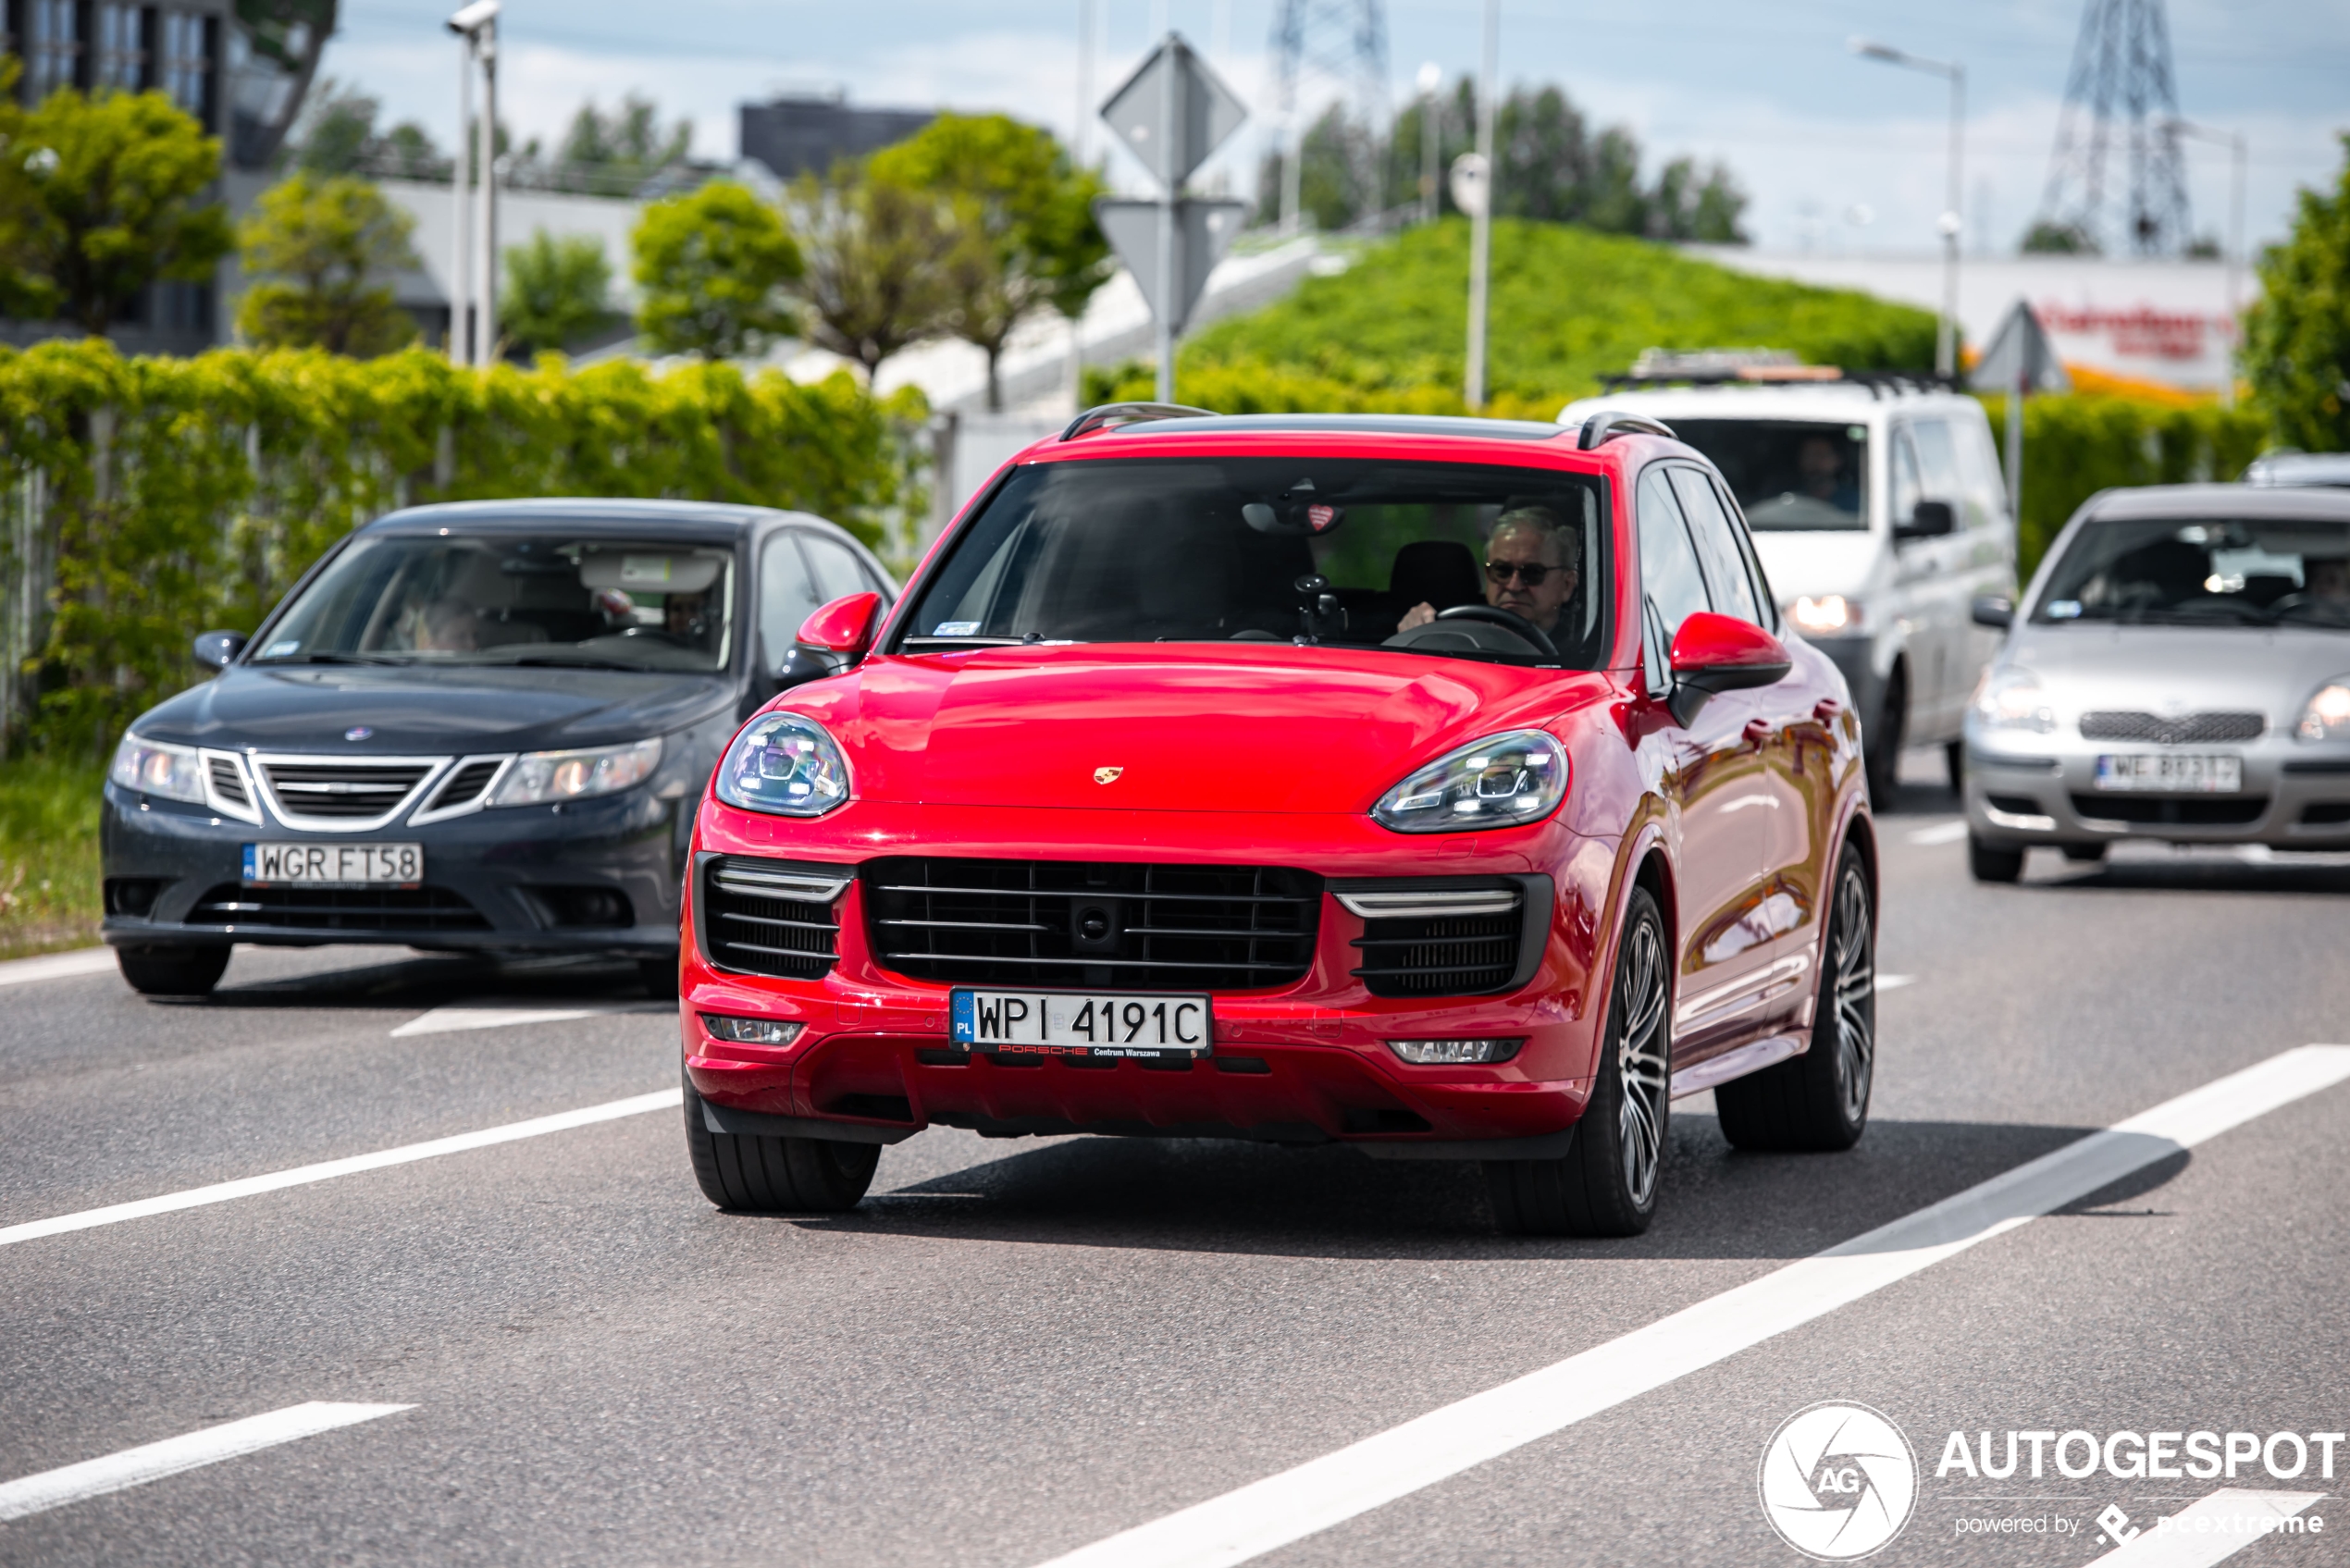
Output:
(327, 1170)
(57, 966)
(1894, 982)
(2237, 1517)
(1941, 833)
(1290, 1506)
(445, 1020)
(152, 1462)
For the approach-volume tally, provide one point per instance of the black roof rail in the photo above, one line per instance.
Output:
(1094, 419)
(1610, 423)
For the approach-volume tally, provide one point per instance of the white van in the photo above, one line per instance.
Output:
(1879, 511)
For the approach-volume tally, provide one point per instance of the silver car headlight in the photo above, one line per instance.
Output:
(176, 773)
(784, 763)
(2013, 700)
(1503, 780)
(538, 778)
(2328, 715)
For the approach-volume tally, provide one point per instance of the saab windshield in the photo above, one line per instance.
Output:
(503, 599)
(1452, 559)
(2254, 573)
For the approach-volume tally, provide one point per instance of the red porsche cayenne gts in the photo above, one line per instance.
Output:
(1444, 787)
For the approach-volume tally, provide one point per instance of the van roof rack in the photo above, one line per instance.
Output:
(1110, 414)
(1880, 383)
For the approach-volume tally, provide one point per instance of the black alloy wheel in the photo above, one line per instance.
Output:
(748, 1173)
(1819, 1101)
(1992, 862)
(181, 970)
(1606, 1183)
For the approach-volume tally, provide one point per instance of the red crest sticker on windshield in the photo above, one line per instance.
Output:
(1321, 516)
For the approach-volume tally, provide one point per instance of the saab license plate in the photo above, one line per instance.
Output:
(334, 865)
(1069, 1023)
(2180, 773)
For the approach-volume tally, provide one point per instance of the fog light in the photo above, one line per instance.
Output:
(1440, 1052)
(752, 1031)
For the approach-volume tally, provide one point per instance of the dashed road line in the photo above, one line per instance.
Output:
(152, 1462)
(1885, 982)
(327, 1170)
(447, 1020)
(2210, 1529)
(1270, 1514)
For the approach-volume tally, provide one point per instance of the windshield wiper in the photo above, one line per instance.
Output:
(588, 661)
(322, 656)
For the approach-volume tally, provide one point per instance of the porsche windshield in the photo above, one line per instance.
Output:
(505, 599)
(2256, 572)
(1472, 560)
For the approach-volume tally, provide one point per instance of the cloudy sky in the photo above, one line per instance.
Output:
(1838, 153)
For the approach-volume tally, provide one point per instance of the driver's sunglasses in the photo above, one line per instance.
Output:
(1530, 572)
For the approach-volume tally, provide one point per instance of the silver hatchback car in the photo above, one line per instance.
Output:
(2179, 670)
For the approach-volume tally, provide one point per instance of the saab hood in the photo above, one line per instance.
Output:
(1279, 730)
(419, 711)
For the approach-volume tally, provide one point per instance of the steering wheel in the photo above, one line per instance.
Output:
(1508, 620)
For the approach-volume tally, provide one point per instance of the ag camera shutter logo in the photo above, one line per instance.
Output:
(1838, 1481)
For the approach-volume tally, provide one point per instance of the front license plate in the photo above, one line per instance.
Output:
(1069, 1023)
(2178, 773)
(334, 865)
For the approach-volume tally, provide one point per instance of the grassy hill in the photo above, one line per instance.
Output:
(1569, 305)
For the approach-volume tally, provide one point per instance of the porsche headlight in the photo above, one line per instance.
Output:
(538, 778)
(2012, 700)
(784, 763)
(1501, 781)
(176, 773)
(2328, 715)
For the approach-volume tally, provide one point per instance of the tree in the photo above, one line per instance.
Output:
(2296, 336)
(325, 242)
(620, 150)
(712, 267)
(1024, 232)
(103, 201)
(555, 291)
(2044, 238)
(336, 135)
(1704, 207)
(877, 263)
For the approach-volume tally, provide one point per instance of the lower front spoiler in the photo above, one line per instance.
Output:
(619, 942)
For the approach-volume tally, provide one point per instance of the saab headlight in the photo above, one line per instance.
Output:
(2328, 715)
(1501, 781)
(176, 773)
(784, 763)
(2013, 700)
(540, 777)
(1829, 615)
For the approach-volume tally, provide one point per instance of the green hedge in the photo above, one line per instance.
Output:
(160, 496)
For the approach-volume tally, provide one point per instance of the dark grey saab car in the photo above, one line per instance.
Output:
(481, 726)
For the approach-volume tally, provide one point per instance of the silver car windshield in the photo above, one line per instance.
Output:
(2206, 573)
(503, 598)
(1790, 476)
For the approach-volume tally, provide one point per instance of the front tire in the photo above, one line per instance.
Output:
(1819, 1101)
(752, 1174)
(1992, 862)
(1881, 744)
(1606, 1183)
(184, 971)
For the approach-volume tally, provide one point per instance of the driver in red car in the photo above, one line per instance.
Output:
(1530, 569)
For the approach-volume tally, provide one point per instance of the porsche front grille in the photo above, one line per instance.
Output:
(771, 917)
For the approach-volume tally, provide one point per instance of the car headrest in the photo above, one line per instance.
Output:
(1438, 573)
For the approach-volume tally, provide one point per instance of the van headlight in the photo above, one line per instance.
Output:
(784, 763)
(1503, 780)
(2328, 715)
(1829, 615)
(157, 767)
(538, 778)
(2013, 700)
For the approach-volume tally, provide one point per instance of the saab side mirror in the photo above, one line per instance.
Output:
(1931, 520)
(1995, 610)
(215, 650)
(844, 626)
(1712, 654)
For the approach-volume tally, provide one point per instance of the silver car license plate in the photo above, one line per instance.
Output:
(1069, 1023)
(334, 865)
(2188, 773)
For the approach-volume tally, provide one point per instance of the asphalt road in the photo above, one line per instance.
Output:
(1013, 1350)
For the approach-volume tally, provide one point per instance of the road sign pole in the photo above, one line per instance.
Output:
(1171, 104)
(1481, 221)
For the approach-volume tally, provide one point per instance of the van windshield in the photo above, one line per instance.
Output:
(507, 598)
(1790, 476)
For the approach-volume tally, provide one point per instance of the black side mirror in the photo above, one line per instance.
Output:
(1930, 519)
(1995, 610)
(215, 649)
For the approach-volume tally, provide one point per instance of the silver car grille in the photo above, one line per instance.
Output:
(2182, 729)
(343, 793)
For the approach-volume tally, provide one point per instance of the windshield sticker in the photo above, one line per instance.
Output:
(955, 629)
(280, 650)
(2064, 609)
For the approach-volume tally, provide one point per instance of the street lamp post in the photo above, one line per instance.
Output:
(1946, 337)
(476, 30)
(2239, 150)
(1481, 218)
